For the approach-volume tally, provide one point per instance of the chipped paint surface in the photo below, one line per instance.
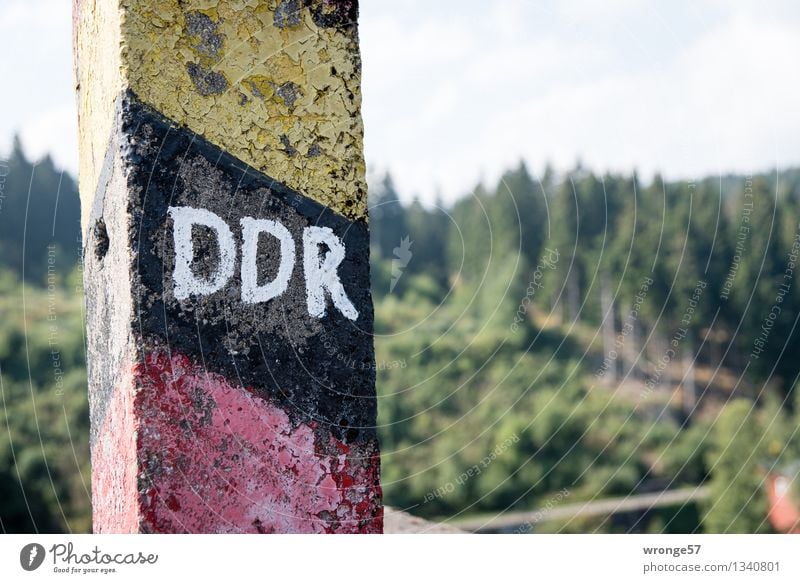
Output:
(215, 458)
(275, 83)
(316, 369)
(210, 414)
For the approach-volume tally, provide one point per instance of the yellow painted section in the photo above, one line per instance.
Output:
(285, 100)
(265, 83)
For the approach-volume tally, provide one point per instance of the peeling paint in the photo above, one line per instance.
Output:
(287, 13)
(206, 81)
(298, 60)
(200, 61)
(289, 92)
(275, 347)
(207, 456)
(207, 40)
(214, 414)
(226, 458)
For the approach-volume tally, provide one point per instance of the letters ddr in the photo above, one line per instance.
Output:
(321, 273)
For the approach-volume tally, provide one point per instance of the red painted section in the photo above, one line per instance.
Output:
(783, 514)
(213, 457)
(114, 464)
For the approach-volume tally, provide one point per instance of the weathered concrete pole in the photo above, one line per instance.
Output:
(231, 366)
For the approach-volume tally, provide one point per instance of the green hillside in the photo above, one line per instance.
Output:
(564, 333)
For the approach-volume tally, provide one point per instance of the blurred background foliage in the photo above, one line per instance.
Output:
(495, 319)
(44, 449)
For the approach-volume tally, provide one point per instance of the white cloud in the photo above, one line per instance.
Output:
(36, 99)
(686, 93)
(54, 132)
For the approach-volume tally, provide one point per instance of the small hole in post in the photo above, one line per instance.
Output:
(100, 239)
(350, 433)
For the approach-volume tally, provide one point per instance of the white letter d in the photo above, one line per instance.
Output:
(186, 283)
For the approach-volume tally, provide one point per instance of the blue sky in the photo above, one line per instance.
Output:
(456, 91)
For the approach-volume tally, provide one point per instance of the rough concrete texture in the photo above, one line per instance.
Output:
(215, 458)
(274, 82)
(110, 345)
(98, 82)
(319, 369)
(210, 413)
(247, 417)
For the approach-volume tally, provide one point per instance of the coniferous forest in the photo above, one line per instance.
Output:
(556, 337)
